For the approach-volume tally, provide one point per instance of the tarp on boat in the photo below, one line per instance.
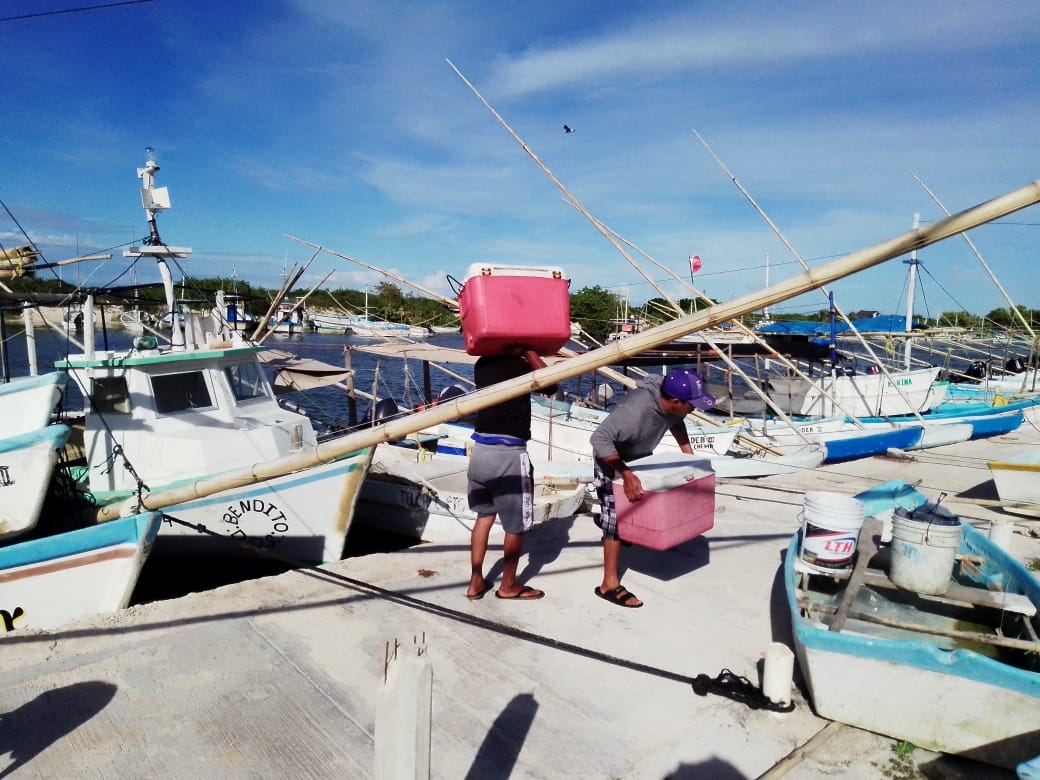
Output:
(885, 323)
(428, 352)
(293, 373)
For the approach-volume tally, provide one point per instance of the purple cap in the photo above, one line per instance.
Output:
(684, 385)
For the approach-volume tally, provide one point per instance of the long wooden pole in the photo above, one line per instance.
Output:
(607, 355)
(449, 302)
(841, 312)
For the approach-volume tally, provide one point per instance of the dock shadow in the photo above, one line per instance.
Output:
(30, 729)
(715, 768)
(542, 546)
(669, 564)
(496, 758)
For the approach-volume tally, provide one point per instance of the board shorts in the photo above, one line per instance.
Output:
(607, 511)
(501, 482)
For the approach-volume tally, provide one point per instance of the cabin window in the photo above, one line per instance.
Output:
(110, 396)
(177, 392)
(246, 381)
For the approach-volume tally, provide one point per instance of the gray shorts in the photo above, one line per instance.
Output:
(501, 482)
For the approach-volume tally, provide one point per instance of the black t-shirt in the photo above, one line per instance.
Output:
(512, 417)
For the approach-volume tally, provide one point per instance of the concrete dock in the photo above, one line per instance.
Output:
(281, 677)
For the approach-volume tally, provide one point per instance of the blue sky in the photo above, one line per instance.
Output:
(342, 123)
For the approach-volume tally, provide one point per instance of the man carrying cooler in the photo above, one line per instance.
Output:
(632, 430)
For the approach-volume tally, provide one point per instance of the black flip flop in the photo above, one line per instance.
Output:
(619, 596)
(520, 596)
(481, 594)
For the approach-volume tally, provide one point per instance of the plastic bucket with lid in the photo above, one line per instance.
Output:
(924, 548)
(830, 529)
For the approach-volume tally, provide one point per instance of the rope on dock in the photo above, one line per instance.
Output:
(726, 684)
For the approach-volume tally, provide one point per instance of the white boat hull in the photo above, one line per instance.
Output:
(303, 517)
(1017, 480)
(47, 582)
(859, 395)
(27, 404)
(26, 466)
(869, 693)
(423, 496)
(904, 671)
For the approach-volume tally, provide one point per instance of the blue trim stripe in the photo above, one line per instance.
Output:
(124, 530)
(57, 435)
(57, 378)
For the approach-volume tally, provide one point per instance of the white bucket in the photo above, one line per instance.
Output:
(924, 548)
(830, 529)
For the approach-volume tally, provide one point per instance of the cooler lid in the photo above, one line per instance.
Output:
(663, 471)
(491, 269)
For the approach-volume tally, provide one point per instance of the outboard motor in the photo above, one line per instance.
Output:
(449, 392)
(1015, 366)
(381, 412)
(976, 370)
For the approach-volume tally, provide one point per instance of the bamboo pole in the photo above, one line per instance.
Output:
(616, 243)
(1011, 304)
(758, 340)
(747, 195)
(613, 353)
(450, 302)
(302, 300)
(985, 266)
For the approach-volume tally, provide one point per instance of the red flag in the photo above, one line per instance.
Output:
(695, 264)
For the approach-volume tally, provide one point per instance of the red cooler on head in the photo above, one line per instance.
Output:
(501, 305)
(678, 501)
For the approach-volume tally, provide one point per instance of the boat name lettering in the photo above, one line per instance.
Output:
(5, 476)
(256, 506)
(901, 381)
(235, 513)
(7, 619)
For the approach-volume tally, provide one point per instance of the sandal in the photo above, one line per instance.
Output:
(619, 595)
(481, 593)
(526, 593)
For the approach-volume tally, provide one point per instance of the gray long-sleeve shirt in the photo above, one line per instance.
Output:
(635, 426)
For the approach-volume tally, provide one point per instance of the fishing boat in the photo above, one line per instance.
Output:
(137, 321)
(290, 317)
(1017, 479)
(27, 463)
(364, 326)
(27, 404)
(421, 495)
(984, 420)
(52, 579)
(54, 566)
(859, 394)
(956, 673)
(161, 417)
(846, 443)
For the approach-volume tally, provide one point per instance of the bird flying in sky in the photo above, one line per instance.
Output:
(567, 129)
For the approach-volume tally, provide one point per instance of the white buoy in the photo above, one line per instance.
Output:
(778, 673)
(1002, 533)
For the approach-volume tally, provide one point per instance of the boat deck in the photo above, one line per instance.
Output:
(282, 676)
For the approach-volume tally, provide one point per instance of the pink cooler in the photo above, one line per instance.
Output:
(678, 502)
(502, 305)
